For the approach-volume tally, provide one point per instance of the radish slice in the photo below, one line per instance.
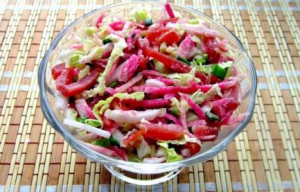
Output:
(83, 109)
(169, 10)
(196, 123)
(173, 118)
(87, 137)
(129, 84)
(200, 113)
(102, 150)
(155, 82)
(86, 127)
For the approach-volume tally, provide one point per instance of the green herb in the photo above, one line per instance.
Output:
(81, 119)
(93, 122)
(212, 117)
(218, 71)
(183, 60)
(175, 111)
(113, 84)
(102, 142)
(114, 141)
(201, 59)
(105, 41)
(107, 142)
(148, 22)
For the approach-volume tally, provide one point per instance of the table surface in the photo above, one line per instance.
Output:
(265, 157)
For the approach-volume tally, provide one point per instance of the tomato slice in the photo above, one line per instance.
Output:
(57, 70)
(154, 33)
(143, 63)
(206, 133)
(169, 37)
(193, 147)
(163, 131)
(168, 61)
(65, 78)
(213, 55)
(134, 136)
(79, 86)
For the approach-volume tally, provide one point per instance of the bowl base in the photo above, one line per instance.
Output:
(123, 177)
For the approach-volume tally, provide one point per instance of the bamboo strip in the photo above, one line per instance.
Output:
(42, 162)
(4, 51)
(264, 145)
(277, 33)
(66, 173)
(20, 149)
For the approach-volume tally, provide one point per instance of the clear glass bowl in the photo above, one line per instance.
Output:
(242, 63)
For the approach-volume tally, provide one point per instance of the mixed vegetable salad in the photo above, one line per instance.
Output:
(147, 90)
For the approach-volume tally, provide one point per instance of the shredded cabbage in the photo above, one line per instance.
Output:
(172, 156)
(96, 53)
(138, 15)
(184, 78)
(91, 30)
(84, 72)
(88, 43)
(133, 116)
(175, 106)
(103, 33)
(101, 106)
(119, 46)
(198, 97)
(75, 58)
(143, 149)
(160, 66)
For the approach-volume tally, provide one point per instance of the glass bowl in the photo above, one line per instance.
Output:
(242, 63)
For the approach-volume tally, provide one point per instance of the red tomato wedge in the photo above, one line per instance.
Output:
(57, 70)
(163, 131)
(64, 79)
(205, 133)
(78, 87)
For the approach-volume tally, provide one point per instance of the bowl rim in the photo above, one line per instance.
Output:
(91, 154)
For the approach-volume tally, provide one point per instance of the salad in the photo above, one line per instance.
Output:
(146, 90)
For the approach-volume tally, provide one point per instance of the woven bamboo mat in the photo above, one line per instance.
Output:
(265, 157)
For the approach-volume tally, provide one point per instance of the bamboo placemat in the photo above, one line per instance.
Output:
(265, 157)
